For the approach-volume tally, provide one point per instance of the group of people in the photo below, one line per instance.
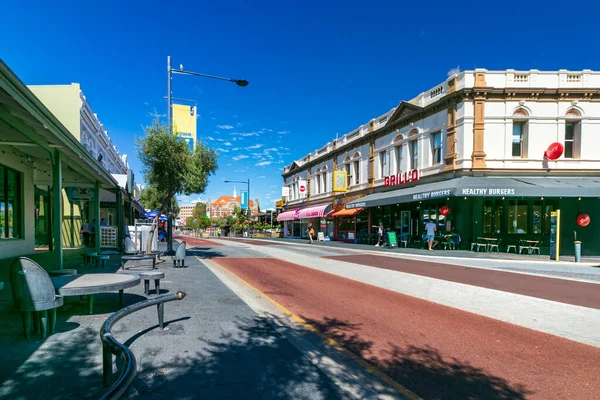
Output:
(88, 231)
(429, 235)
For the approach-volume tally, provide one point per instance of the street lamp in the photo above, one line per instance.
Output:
(247, 203)
(181, 71)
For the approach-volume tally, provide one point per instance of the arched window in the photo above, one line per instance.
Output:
(356, 168)
(413, 148)
(317, 181)
(520, 133)
(324, 178)
(347, 161)
(572, 133)
(398, 152)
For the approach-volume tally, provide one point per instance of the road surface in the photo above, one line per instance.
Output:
(436, 351)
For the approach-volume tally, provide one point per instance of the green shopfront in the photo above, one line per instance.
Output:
(508, 208)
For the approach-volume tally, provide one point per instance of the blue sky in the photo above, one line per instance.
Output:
(315, 68)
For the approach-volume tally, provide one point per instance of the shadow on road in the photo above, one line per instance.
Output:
(423, 369)
(203, 252)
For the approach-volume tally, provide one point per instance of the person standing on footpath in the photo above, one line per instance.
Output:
(431, 228)
(379, 234)
(310, 232)
(85, 232)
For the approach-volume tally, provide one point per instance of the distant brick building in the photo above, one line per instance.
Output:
(225, 205)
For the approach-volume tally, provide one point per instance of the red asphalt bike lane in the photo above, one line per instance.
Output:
(562, 290)
(437, 351)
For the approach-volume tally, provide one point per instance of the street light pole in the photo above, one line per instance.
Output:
(170, 72)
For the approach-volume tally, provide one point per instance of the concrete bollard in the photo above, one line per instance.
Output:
(577, 251)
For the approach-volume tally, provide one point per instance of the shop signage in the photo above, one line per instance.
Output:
(392, 240)
(302, 187)
(583, 219)
(432, 195)
(285, 191)
(488, 192)
(555, 235)
(404, 177)
(555, 150)
(108, 204)
(339, 181)
(79, 193)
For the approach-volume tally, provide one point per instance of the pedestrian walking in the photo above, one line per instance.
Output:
(380, 231)
(310, 232)
(219, 232)
(430, 227)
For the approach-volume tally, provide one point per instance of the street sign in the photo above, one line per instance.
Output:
(244, 200)
(555, 235)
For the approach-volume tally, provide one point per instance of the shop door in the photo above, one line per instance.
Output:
(405, 223)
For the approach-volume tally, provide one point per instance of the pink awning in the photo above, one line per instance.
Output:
(315, 212)
(288, 215)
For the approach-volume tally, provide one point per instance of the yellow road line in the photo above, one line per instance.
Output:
(381, 375)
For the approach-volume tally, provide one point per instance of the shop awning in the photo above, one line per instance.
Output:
(315, 212)
(469, 186)
(346, 212)
(288, 215)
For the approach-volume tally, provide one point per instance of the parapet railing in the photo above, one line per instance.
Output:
(110, 346)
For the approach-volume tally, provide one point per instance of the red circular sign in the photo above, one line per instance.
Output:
(302, 188)
(583, 219)
(555, 150)
(444, 210)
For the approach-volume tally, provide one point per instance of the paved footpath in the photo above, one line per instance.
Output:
(438, 351)
(215, 346)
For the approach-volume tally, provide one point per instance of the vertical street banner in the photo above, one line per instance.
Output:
(184, 124)
(243, 200)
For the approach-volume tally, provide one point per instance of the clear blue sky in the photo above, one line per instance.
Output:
(315, 68)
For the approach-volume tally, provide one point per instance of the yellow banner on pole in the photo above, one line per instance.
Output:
(339, 181)
(184, 124)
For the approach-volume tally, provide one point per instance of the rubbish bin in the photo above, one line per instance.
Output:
(577, 251)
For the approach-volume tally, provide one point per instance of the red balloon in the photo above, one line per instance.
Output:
(555, 150)
(444, 210)
(583, 219)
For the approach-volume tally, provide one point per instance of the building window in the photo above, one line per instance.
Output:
(572, 139)
(414, 154)
(436, 148)
(383, 164)
(518, 139)
(348, 175)
(318, 182)
(356, 172)
(398, 152)
(492, 217)
(517, 216)
(324, 181)
(10, 204)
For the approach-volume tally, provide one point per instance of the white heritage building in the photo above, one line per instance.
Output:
(476, 144)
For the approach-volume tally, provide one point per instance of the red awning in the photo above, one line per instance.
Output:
(315, 212)
(346, 212)
(288, 215)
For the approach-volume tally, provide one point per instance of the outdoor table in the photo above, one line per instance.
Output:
(90, 284)
(147, 276)
(489, 241)
(139, 257)
(62, 272)
(529, 244)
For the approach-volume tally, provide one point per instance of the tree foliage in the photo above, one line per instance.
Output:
(199, 210)
(151, 200)
(170, 168)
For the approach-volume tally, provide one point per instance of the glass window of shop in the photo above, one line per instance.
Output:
(493, 212)
(430, 211)
(346, 227)
(42, 217)
(11, 210)
(517, 216)
(362, 222)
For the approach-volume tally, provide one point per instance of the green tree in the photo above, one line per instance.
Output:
(199, 210)
(170, 168)
(151, 200)
(203, 222)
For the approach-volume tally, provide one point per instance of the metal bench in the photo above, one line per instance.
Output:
(147, 276)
